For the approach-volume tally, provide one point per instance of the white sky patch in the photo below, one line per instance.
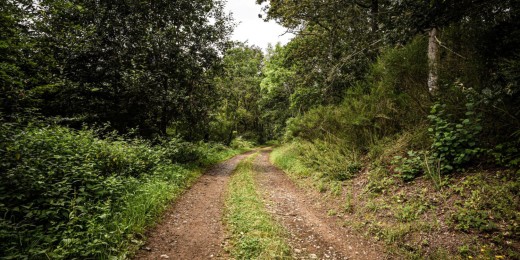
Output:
(251, 28)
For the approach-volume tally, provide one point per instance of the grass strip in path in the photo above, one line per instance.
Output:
(192, 228)
(254, 233)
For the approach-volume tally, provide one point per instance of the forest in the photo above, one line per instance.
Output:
(405, 111)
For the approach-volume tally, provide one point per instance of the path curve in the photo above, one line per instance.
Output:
(192, 228)
(313, 234)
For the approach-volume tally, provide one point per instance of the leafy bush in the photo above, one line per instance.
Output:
(178, 151)
(379, 181)
(69, 194)
(508, 154)
(241, 143)
(390, 99)
(454, 144)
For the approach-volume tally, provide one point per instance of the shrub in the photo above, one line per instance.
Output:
(69, 194)
(331, 160)
(454, 144)
(508, 154)
(177, 151)
(241, 143)
(55, 180)
(410, 166)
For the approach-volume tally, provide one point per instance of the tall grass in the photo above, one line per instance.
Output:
(286, 157)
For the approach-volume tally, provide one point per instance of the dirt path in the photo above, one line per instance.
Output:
(314, 234)
(192, 228)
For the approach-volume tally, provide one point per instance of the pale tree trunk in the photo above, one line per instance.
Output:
(433, 62)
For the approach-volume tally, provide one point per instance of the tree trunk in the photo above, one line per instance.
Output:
(375, 12)
(433, 62)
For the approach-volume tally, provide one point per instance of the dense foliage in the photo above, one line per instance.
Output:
(69, 194)
(130, 63)
(142, 69)
(387, 94)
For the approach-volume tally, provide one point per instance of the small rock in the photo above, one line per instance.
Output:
(313, 256)
(165, 256)
(297, 251)
(147, 249)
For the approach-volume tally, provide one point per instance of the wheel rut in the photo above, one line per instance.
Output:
(312, 233)
(192, 228)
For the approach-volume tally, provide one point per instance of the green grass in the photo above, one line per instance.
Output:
(290, 159)
(255, 235)
(148, 200)
(287, 158)
(144, 204)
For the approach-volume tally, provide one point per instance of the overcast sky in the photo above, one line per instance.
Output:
(253, 29)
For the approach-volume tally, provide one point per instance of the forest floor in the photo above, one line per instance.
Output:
(193, 227)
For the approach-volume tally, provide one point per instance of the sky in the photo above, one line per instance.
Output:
(253, 29)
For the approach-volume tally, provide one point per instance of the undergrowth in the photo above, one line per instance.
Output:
(68, 194)
(471, 214)
(255, 235)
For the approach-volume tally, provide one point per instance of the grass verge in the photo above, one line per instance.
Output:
(474, 214)
(151, 198)
(255, 235)
(69, 194)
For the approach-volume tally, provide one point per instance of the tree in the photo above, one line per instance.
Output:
(134, 63)
(417, 16)
(21, 64)
(276, 90)
(335, 43)
(239, 87)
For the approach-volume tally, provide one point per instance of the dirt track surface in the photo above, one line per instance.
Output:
(193, 228)
(313, 234)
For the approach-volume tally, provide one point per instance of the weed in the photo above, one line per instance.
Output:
(332, 212)
(335, 188)
(433, 171)
(379, 181)
(408, 212)
(409, 167)
(489, 204)
(321, 186)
